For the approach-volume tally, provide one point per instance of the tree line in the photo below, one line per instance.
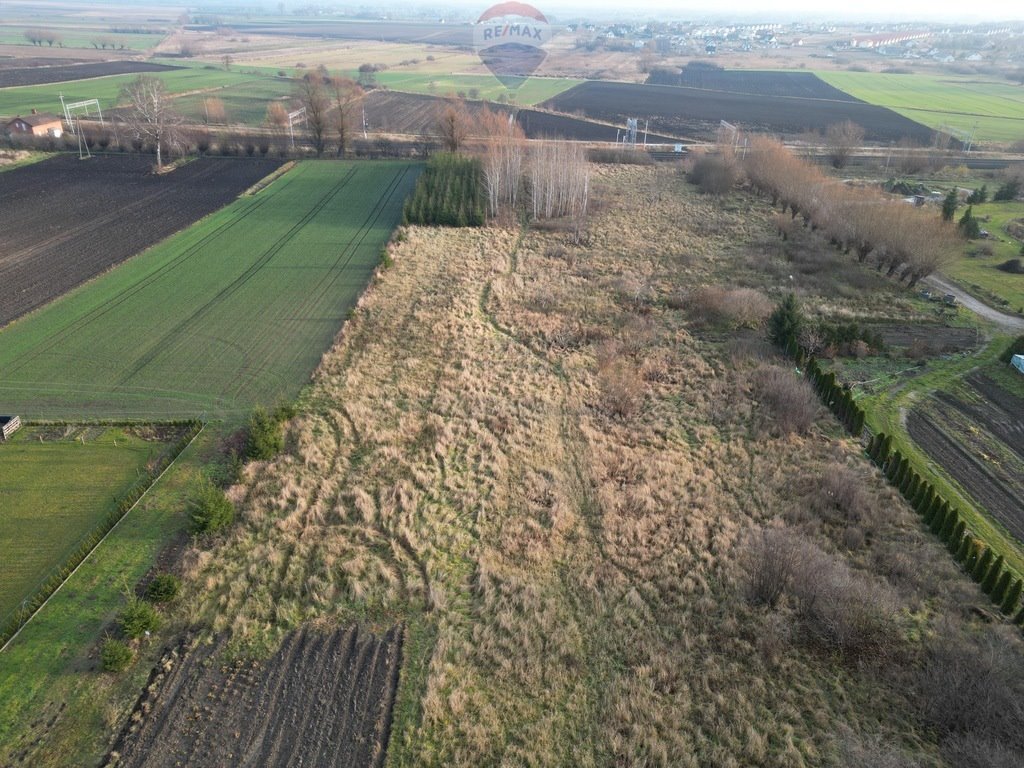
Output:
(905, 241)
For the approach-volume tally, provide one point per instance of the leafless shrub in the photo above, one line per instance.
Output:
(841, 610)
(789, 398)
(838, 495)
(714, 175)
(736, 308)
(970, 751)
(622, 388)
(771, 561)
(974, 690)
(870, 752)
(745, 349)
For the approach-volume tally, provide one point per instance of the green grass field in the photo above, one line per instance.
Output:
(533, 91)
(976, 270)
(234, 311)
(77, 37)
(53, 493)
(996, 108)
(22, 99)
(243, 103)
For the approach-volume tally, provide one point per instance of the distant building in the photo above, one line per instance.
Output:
(37, 124)
(8, 426)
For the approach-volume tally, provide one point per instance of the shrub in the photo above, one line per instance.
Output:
(265, 438)
(115, 656)
(163, 588)
(714, 175)
(1008, 191)
(968, 225)
(982, 566)
(1012, 598)
(988, 584)
(137, 618)
(737, 308)
(790, 399)
(210, 510)
(770, 562)
(622, 388)
(1013, 266)
(785, 322)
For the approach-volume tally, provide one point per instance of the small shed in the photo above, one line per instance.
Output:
(1017, 361)
(37, 124)
(8, 426)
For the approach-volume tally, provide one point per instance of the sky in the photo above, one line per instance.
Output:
(880, 10)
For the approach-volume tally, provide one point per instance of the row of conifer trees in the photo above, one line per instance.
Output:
(449, 193)
(944, 520)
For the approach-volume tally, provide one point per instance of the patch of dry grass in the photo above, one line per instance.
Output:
(534, 450)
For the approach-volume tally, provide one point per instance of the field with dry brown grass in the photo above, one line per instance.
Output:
(561, 458)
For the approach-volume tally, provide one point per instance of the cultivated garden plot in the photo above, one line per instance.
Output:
(232, 312)
(696, 112)
(67, 220)
(323, 700)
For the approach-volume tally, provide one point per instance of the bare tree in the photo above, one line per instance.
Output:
(842, 139)
(345, 93)
(215, 112)
(453, 124)
(503, 158)
(311, 92)
(150, 114)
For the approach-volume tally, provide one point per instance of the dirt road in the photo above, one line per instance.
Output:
(1007, 322)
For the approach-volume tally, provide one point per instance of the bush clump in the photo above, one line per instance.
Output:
(210, 509)
(137, 618)
(163, 588)
(790, 399)
(265, 438)
(714, 175)
(115, 655)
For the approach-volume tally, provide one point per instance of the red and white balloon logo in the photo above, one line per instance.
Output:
(509, 39)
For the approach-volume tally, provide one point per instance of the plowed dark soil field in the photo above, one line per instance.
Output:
(803, 84)
(323, 700)
(64, 73)
(695, 112)
(66, 220)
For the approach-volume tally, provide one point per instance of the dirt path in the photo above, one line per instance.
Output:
(1003, 320)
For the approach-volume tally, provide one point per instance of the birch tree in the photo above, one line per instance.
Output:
(150, 114)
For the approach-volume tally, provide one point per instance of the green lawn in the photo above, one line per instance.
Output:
(976, 270)
(232, 312)
(997, 108)
(107, 90)
(53, 493)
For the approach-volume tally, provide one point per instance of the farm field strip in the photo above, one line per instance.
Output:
(677, 110)
(54, 492)
(996, 108)
(21, 100)
(232, 312)
(40, 75)
(112, 208)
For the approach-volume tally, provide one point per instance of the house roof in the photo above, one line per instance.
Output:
(43, 118)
